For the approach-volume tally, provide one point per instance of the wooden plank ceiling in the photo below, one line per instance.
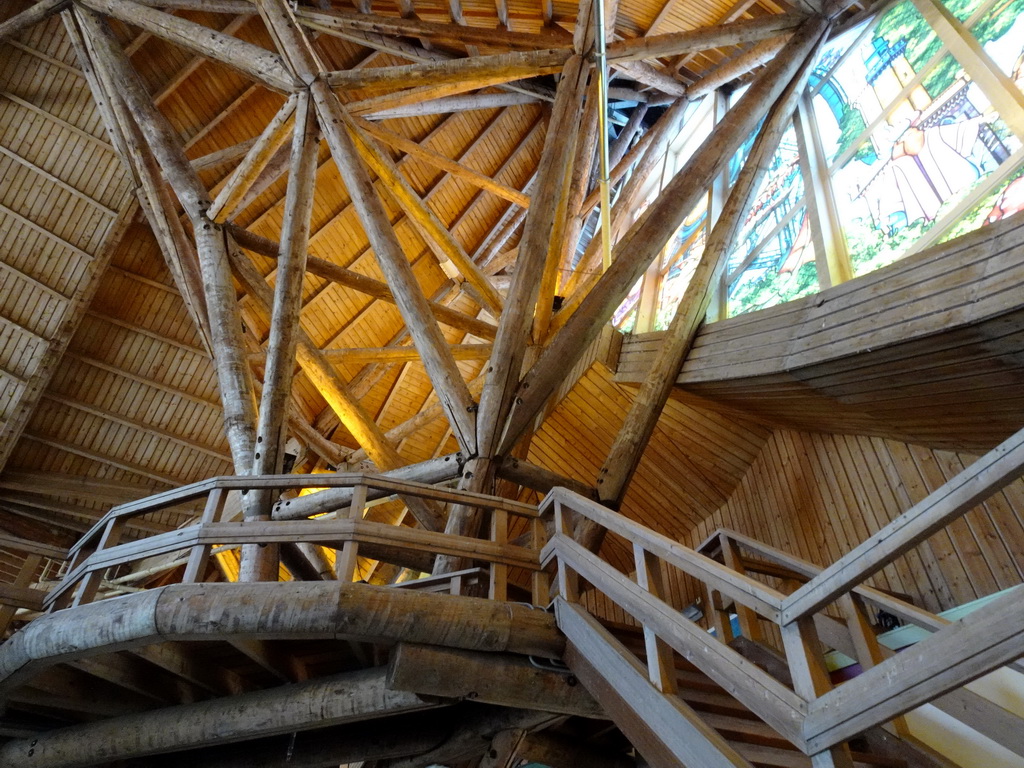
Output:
(107, 388)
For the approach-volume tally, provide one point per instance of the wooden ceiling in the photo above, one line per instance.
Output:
(103, 372)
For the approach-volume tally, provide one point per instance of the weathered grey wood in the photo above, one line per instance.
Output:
(993, 471)
(811, 680)
(662, 728)
(502, 679)
(333, 700)
(961, 652)
(649, 234)
(632, 439)
(984, 716)
(429, 472)
(251, 60)
(255, 161)
(447, 104)
(437, 358)
(475, 69)
(31, 16)
(335, 391)
(703, 38)
(260, 563)
(728, 71)
(506, 361)
(540, 479)
(336, 21)
(222, 305)
(770, 700)
(287, 610)
(359, 282)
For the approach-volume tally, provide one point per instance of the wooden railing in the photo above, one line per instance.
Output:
(813, 715)
(100, 550)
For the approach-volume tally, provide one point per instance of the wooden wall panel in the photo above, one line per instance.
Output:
(819, 495)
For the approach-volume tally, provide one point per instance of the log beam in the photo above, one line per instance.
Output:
(645, 239)
(251, 60)
(636, 431)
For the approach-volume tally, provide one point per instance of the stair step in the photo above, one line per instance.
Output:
(773, 757)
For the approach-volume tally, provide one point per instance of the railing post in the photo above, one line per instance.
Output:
(347, 558)
(749, 623)
(869, 651)
(90, 585)
(541, 581)
(499, 572)
(23, 579)
(811, 680)
(568, 580)
(661, 666)
(200, 554)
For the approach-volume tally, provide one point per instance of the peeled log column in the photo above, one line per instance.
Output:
(646, 238)
(638, 427)
(437, 358)
(344, 698)
(260, 563)
(222, 306)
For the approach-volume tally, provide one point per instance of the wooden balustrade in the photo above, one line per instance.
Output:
(100, 550)
(813, 715)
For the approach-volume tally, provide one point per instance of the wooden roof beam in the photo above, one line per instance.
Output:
(337, 20)
(646, 238)
(439, 161)
(250, 60)
(334, 389)
(362, 283)
(221, 303)
(638, 426)
(437, 237)
(703, 38)
(478, 71)
(31, 16)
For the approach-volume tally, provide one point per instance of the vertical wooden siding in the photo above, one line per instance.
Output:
(819, 495)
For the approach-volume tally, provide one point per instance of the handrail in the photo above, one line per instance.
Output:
(816, 717)
(761, 598)
(100, 549)
(203, 488)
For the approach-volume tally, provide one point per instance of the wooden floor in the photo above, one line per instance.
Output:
(928, 350)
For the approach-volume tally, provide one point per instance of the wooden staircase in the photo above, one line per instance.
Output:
(754, 740)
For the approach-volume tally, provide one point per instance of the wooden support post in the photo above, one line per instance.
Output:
(260, 562)
(222, 306)
(540, 580)
(810, 680)
(24, 579)
(661, 667)
(568, 579)
(348, 557)
(499, 572)
(336, 392)
(624, 456)
(750, 626)
(255, 161)
(198, 558)
(90, 585)
(868, 650)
